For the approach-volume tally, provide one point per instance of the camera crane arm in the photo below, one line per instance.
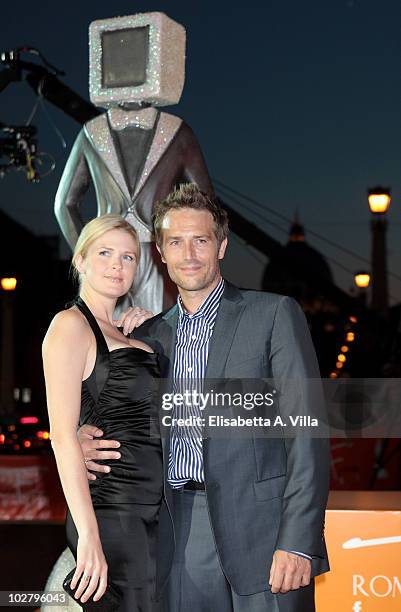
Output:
(45, 82)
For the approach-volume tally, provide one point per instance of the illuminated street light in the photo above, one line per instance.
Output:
(379, 201)
(362, 279)
(7, 299)
(8, 283)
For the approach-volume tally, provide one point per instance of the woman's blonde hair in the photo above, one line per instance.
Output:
(94, 230)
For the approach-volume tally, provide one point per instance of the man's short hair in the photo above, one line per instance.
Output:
(188, 195)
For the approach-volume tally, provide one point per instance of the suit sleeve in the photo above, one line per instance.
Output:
(74, 183)
(297, 380)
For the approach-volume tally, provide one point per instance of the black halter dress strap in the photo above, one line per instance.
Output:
(97, 379)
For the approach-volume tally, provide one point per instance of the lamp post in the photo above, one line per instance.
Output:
(362, 281)
(8, 286)
(379, 200)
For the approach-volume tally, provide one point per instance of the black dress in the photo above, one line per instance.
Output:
(120, 397)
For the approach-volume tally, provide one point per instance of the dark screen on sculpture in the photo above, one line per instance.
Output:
(125, 57)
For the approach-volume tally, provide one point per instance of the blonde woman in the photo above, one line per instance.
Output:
(94, 374)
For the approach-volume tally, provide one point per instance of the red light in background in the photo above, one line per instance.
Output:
(27, 443)
(29, 420)
(2, 438)
(44, 435)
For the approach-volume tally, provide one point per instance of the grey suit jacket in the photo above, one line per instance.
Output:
(262, 493)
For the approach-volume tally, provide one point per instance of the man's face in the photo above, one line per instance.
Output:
(190, 249)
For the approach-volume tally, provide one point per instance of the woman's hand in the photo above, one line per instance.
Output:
(131, 318)
(91, 572)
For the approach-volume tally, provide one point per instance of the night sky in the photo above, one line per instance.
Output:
(295, 104)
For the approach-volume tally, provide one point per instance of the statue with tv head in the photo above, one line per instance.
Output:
(133, 154)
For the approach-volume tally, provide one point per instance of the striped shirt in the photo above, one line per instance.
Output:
(194, 332)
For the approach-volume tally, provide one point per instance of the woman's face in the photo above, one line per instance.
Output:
(109, 265)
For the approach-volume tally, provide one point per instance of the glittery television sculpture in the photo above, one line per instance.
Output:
(133, 154)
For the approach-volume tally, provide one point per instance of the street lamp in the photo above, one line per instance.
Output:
(362, 281)
(379, 200)
(8, 285)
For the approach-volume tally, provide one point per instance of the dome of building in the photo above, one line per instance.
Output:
(291, 270)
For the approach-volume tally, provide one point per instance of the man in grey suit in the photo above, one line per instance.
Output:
(242, 519)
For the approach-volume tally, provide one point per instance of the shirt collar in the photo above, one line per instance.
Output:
(206, 307)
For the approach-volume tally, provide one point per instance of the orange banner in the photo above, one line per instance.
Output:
(365, 558)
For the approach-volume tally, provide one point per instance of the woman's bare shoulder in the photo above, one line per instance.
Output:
(68, 325)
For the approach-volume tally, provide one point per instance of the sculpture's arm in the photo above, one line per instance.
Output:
(195, 169)
(73, 185)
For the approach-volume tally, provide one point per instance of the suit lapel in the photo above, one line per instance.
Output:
(228, 316)
(98, 132)
(166, 334)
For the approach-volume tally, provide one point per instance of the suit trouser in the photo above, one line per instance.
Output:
(197, 582)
